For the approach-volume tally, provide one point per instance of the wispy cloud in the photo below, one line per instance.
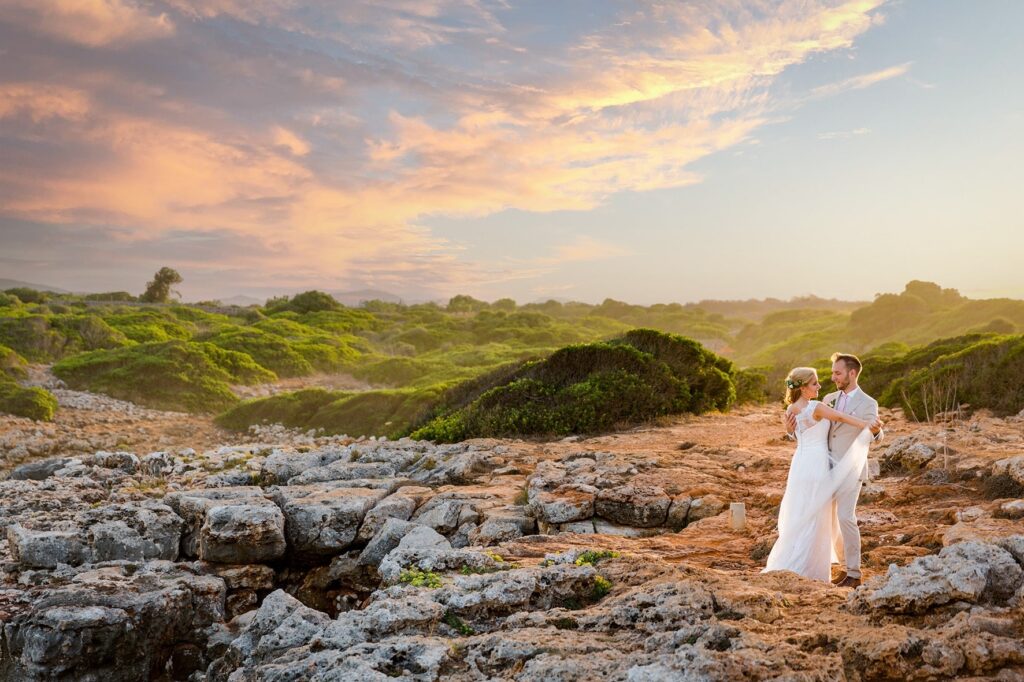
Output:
(862, 81)
(328, 131)
(843, 134)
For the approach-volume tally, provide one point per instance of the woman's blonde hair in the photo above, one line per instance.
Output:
(797, 378)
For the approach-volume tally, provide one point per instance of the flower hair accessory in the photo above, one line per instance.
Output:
(793, 383)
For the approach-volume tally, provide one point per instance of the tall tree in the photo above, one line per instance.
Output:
(159, 290)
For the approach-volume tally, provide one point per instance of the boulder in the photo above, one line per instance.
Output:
(114, 624)
(630, 505)
(398, 505)
(39, 470)
(324, 520)
(501, 525)
(1012, 467)
(705, 507)
(385, 540)
(242, 533)
(678, 512)
(968, 571)
(194, 505)
(564, 504)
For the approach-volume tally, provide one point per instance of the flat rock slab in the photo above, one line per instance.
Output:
(234, 525)
(630, 505)
(564, 504)
(324, 520)
(114, 625)
(115, 532)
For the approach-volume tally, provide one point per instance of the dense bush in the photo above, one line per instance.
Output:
(589, 388)
(12, 365)
(34, 403)
(306, 302)
(46, 337)
(983, 371)
(174, 375)
(268, 350)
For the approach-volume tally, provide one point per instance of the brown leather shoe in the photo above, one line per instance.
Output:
(840, 577)
(849, 582)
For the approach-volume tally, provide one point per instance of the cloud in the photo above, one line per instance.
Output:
(862, 81)
(329, 132)
(843, 134)
(91, 23)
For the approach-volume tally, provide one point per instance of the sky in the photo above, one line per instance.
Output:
(575, 149)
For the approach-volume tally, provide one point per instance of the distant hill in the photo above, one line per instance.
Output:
(354, 298)
(754, 309)
(242, 300)
(14, 284)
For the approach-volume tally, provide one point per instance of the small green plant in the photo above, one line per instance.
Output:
(592, 557)
(417, 578)
(429, 464)
(601, 587)
(460, 626)
(565, 623)
(522, 497)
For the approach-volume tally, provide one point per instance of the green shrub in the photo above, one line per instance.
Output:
(293, 410)
(306, 302)
(981, 372)
(595, 556)
(587, 388)
(174, 375)
(268, 350)
(34, 403)
(12, 365)
(27, 295)
(417, 578)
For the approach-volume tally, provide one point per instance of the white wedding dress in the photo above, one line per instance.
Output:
(805, 515)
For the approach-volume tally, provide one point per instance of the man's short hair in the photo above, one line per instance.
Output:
(851, 361)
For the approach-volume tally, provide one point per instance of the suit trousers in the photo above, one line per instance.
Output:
(845, 533)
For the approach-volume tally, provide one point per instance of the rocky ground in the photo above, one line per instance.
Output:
(146, 545)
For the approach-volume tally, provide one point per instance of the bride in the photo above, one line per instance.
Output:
(804, 545)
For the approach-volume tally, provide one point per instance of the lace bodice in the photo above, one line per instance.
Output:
(809, 430)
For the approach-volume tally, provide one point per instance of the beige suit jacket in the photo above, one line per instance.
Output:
(840, 435)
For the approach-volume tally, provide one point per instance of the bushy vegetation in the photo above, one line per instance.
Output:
(12, 365)
(473, 367)
(588, 388)
(172, 375)
(381, 412)
(34, 403)
(979, 370)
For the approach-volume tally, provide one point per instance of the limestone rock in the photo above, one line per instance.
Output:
(1012, 467)
(564, 504)
(398, 505)
(629, 505)
(322, 520)
(968, 571)
(113, 624)
(385, 540)
(706, 507)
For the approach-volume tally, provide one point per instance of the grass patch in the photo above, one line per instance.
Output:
(593, 557)
(460, 626)
(417, 578)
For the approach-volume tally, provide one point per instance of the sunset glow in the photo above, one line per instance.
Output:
(581, 150)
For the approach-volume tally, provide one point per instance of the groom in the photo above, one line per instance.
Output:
(849, 399)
